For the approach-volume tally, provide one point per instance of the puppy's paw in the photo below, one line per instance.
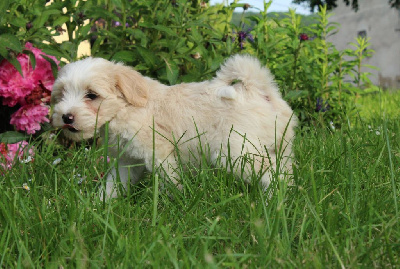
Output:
(108, 192)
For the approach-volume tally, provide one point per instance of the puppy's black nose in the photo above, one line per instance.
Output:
(68, 118)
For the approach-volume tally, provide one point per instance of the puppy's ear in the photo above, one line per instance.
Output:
(132, 85)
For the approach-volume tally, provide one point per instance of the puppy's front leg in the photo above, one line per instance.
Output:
(125, 171)
(110, 191)
(167, 169)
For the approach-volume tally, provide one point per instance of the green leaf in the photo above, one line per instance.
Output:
(370, 66)
(296, 94)
(55, 52)
(40, 21)
(19, 22)
(256, 19)
(190, 77)
(83, 31)
(10, 42)
(216, 63)
(44, 17)
(16, 64)
(12, 137)
(32, 58)
(235, 5)
(138, 35)
(148, 56)
(100, 12)
(54, 65)
(371, 89)
(160, 28)
(60, 20)
(172, 71)
(124, 56)
(196, 36)
(229, 45)
(4, 6)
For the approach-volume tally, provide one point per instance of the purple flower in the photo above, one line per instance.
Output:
(320, 106)
(116, 23)
(242, 36)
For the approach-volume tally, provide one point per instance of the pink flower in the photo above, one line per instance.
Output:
(14, 88)
(304, 37)
(31, 91)
(29, 117)
(9, 152)
(102, 158)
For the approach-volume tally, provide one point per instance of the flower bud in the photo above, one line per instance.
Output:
(29, 25)
(303, 37)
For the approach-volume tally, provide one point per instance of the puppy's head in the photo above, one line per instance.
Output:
(90, 92)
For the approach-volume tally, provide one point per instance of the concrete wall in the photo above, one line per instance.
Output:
(379, 22)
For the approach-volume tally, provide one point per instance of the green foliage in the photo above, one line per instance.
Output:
(310, 71)
(31, 21)
(12, 137)
(162, 39)
(185, 41)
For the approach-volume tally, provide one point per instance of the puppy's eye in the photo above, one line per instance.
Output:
(91, 95)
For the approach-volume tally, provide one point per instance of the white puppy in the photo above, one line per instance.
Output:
(238, 119)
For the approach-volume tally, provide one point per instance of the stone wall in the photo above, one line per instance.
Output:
(376, 20)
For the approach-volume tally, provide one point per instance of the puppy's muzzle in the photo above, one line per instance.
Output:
(68, 119)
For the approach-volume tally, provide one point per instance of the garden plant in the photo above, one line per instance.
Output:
(340, 208)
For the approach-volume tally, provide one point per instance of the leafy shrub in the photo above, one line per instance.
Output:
(310, 71)
(183, 41)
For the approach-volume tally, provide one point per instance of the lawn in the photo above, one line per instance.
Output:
(341, 210)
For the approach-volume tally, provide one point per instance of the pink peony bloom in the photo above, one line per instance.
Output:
(10, 152)
(29, 117)
(31, 91)
(14, 88)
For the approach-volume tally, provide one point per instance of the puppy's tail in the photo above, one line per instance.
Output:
(243, 74)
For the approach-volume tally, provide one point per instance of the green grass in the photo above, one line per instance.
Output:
(378, 105)
(342, 210)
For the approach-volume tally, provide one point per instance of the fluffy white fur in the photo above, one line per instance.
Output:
(238, 113)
